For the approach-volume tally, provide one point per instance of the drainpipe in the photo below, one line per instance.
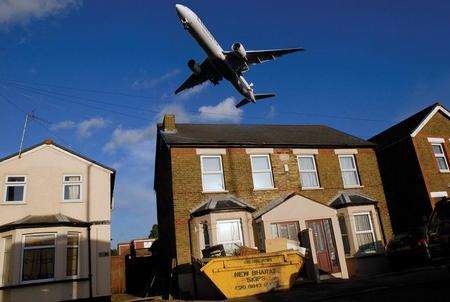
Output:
(89, 261)
(381, 224)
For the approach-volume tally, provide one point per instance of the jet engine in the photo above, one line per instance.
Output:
(194, 66)
(239, 50)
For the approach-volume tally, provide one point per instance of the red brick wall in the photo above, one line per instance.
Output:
(187, 186)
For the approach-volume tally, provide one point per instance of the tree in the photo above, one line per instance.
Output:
(154, 232)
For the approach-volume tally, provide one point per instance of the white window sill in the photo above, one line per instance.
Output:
(37, 281)
(72, 201)
(12, 203)
(311, 188)
(444, 171)
(264, 189)
(353, 187)
(220, 191)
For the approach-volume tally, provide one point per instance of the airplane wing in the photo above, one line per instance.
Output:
(260, 56)
(207, 72)
(242, 103)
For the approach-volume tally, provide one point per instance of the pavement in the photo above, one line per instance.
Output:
(416, 284)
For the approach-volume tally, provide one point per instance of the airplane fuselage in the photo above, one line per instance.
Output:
(214, 51)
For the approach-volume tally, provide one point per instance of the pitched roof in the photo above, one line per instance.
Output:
(273, 204)
(36, 221)
(404, 128)
(260, 135)
(223, 203)
(348, 199)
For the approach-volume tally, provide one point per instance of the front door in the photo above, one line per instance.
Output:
(325, 245)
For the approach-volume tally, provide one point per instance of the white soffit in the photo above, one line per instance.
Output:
(429, 116)
(345, 151)
(259, 150)
(305, 151)
(438, 194)
(204, 151)
(437, 140)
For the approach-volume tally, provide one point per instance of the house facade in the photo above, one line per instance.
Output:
(262, 186)
(54, 225)
(414, 162)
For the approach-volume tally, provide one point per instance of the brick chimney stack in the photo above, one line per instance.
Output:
(169, 123)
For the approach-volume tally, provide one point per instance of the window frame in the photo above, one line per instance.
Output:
(12, 184)
(7, 255)
(441, 155)
(286, 223)
(262, 171)
(241, 231)
(206, 173)
(342, 219)
(72, 182)
(372, 231)
(39, 247)
(78, 251)
(352, 156)
(316, 174)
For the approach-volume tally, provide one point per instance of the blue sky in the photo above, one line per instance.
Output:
(110, 69)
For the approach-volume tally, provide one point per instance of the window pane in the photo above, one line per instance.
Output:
(7, 241)
(262, 180)
(16, 179)
(273, 231)
(442, 163)
(260, 163)
(72, 261)
(437, 149)
(350, 178)
(228, 232)
(347, 162)
(362, 223)
(72, 178)
(72, 239)
(365, 242)
(205, 234)
(71, 192)
(38, 264)
(14, 193)
(292, 231)
(213, 182)
(39, 240)
(306, 163)
(309, 179)
(211, 164)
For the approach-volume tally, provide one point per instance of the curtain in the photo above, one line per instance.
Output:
(38, 264)
(350, 178)
(309, 179)
(72, 192)
(72, 261)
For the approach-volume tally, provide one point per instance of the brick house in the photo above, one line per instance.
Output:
(414, 165)
(255, 184)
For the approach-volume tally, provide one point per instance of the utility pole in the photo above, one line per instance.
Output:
(27, 116)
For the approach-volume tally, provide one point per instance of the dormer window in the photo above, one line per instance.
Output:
(72, 187)
(15, 189)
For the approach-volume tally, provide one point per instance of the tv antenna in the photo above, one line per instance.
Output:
(29, 115)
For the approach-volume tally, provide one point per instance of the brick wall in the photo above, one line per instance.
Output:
(187, 186)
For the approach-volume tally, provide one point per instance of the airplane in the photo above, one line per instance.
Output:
(221, 64)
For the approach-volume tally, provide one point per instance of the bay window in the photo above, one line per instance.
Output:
(229, 234)
(212, 173)
(73, 248)
(365, 234)
(261, 172)
(38, 257)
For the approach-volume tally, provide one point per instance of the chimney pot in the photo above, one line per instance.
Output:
(48, 141)
(169, 123)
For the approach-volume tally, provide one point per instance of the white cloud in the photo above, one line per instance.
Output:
(186, 94)
(225, 111)
(24, 11)
(63, 125)
(151, 82)
(84, 128)
(129, 137)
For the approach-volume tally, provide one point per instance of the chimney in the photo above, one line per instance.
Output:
(169, 123)
(48, 141)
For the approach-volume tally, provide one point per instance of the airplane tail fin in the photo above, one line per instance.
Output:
(259, 96)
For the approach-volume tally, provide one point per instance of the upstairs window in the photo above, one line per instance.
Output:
(441, 159)
(15, 188)
(261, 172)
(308, 172)
(349, 171)
(212, 173)
(38, 257)
(72, 187)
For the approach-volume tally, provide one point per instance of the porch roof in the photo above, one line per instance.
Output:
(349, 199)
(38, 221)
(222, 203)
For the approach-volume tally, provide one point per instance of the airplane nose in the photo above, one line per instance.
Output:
(181, 9)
